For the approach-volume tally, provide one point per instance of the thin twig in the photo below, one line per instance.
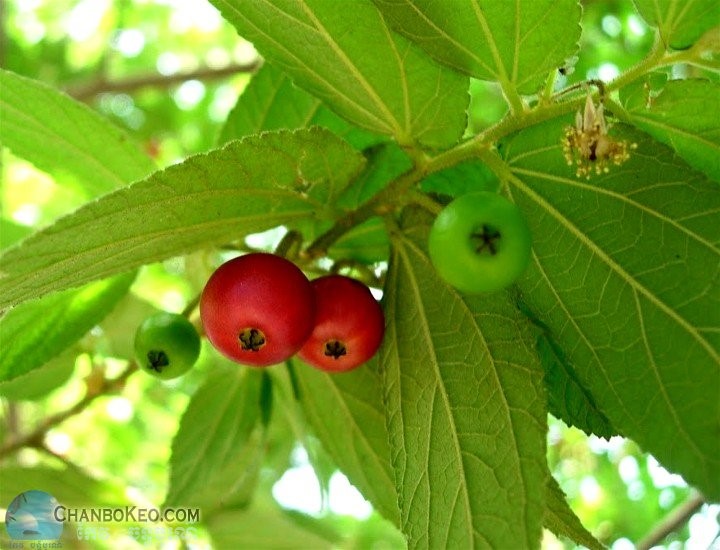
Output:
(36, 437)
(672, 522)
(86, 91)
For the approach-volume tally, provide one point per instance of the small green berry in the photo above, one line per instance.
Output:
(166, 345)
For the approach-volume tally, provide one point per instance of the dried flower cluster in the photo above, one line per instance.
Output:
(589, 146)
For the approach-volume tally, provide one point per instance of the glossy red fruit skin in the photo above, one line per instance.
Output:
(346, 313)
(260, 291)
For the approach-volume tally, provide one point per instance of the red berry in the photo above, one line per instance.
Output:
(349, 325)
(258, 309)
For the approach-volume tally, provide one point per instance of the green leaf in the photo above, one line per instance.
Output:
(385, 162)
(217, 452)
(466, 409)
(366, 243)
(69, 485)
(356, 66)
(37, 383)
(561, 520)
(263, 528)
(66, 138)
(11, 232)
(626, 278)
(460, 179)
(681, 22)
(568, 400)
(248, 186)
(35, 332)
(686, 116)
(514, 43)
(349, 419)
(272, 102)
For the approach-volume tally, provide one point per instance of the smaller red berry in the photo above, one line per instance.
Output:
(258, 309)
(349, 325)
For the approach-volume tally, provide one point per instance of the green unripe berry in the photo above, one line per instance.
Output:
(166, 345)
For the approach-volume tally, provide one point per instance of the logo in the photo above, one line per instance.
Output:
(31, 516)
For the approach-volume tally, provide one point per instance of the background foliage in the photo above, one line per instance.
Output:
(174, 146)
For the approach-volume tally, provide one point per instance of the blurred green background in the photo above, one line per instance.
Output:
(169, 71)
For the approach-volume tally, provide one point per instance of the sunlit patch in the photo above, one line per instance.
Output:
(608, 71)
(129, 42)
(299, 489)
(636, 25)
(661, 477)
(591, 492)
(58, 442)
(345, 499)
(85, 19)
(611, 25)
(189, 94)
(168, 63)
(628, 469)
(26, 214)
(119, 409)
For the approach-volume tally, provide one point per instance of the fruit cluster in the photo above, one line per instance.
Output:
(260, 309)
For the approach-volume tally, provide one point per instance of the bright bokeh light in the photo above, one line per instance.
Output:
(130, 42)
(299, 489)
(85, 18)
(189, 94)
(345, 499)
(622, 544)
(628, 469)
(661, 477)
(58, 442)
(608, 71)
(168, 63)
(611, 25)
(636, 25)
(119, 408)
(591, 492)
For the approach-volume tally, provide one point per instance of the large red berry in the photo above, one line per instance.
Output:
(349, 325)
(258, 309)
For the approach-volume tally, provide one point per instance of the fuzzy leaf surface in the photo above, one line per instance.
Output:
(272, 102)
(681, 22)
(214, 453)
(66, 138)
(561, 520)
(35, 332)
(354, 434)
(247, 186)
(515, 43)
(356, 66)
(626, 278)
(568, 400)
(686, 116)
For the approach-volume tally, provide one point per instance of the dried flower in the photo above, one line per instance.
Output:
(589, 146)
